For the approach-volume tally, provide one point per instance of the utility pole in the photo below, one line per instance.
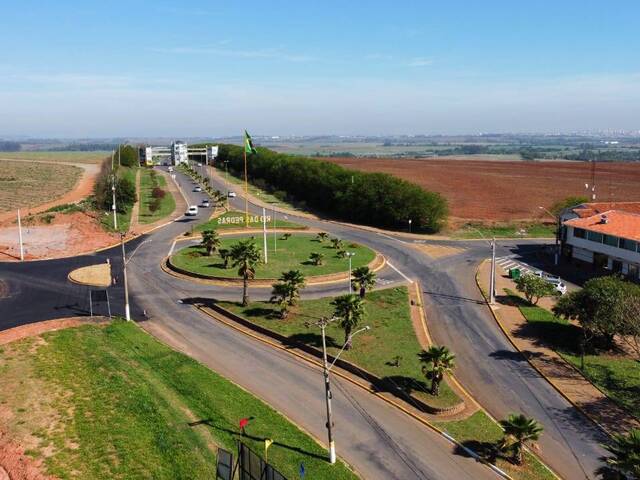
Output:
(350, 255)
(264, 233)
(275, 235)
(127, 311)
(326, 368)
(492, 279)
(20, 236)
(113, 204)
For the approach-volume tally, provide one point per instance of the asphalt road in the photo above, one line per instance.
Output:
(377, 440)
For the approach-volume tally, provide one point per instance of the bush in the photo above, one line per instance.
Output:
(154, 206)
(376, 199)
(128, 156)
(157, 192)
(125, 190)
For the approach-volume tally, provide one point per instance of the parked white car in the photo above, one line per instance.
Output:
(231, 194)
(192, 211)
(561, 288)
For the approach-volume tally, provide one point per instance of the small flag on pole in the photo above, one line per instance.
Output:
(243, 423)
(267, 444)
(302, 470)
(248, 144)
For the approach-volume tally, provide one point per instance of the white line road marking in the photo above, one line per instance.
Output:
(173, 245)
(403, 275)
(392, 238)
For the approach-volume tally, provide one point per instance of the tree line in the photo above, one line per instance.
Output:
(125, 188)
(376, 199)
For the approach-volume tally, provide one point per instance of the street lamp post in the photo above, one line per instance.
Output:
(410, 225)
(127, 310)
(492, 274)
(350, 255)
(326, 368)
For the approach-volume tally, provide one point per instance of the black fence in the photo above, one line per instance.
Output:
(250, 466)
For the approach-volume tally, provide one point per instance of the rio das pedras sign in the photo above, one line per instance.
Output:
(240, 220)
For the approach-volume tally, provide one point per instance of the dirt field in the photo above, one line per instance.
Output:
(503, 191)
(62, 157)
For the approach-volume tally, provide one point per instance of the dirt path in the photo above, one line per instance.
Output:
(82, 189)
(566, 379)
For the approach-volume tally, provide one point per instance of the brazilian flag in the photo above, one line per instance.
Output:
(248, 144)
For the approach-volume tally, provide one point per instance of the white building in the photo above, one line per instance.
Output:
(604, 235)
(177, 154)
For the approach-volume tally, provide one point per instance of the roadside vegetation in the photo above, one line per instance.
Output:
(125, 188)
(293, 252)
(156, 202)
(478, 230)
(111, 402)
(375, 199)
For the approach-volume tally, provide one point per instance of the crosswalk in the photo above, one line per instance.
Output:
(509, 261)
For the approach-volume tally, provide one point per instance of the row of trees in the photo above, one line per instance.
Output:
(124, 188)
(375, 199)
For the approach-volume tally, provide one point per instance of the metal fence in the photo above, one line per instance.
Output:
(253, 467)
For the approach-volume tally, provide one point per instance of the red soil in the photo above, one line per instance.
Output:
(506, 191)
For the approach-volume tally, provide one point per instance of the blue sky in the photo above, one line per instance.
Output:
(196, 68)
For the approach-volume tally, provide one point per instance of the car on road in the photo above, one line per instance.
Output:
(197, 189)
(192, 211)
(231, 194)
(205, 203)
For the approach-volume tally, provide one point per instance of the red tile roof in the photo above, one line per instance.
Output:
(588, 209)
(619, 223)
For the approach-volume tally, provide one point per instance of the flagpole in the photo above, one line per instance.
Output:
(246, 189)
(264, 232)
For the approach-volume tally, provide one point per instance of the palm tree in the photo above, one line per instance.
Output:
(316, 258)
(342, 253)
(245, 256)
(625, 454)
(296, 281)
(210, 241)
(363, 278)
(225, 255)
(518, 430)
(336, 243)
(437, 360)
(286, 236)
(281, 294)
(322, 236)
(350, 310)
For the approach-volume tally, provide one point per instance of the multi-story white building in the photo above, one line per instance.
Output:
(604, 235)
(177, 153)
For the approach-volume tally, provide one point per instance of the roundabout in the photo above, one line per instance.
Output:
(293, 252)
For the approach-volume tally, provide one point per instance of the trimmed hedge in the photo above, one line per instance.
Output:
(376, 199)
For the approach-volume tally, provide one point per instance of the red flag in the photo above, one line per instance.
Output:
(244, 422)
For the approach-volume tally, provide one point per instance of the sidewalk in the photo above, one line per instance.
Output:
(563, 376)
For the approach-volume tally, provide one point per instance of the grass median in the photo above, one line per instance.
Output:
(291, 254)
(235, 220)
(389, 350)
(110, 402)
(166, 204)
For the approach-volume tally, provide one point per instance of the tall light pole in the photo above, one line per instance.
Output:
(20, 237)
(350, 255)
(492, 273)
(409, 225)
(556, 255)
(275, 235)
(113, 204)
(264, 233)
(326, 368)
(127, 310)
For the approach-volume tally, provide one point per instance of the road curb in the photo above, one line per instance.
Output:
(542, 374)
(443, 434)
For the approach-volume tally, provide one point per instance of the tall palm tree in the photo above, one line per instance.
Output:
(437, 361)
(245, 255)
(225, 255)
(316, 258)
(281, 294)
(296, 281)
(625, 454)
(363, 278)
(519, 430)
(322, 236)
(210, 241)
(336, 243)
(350, 310)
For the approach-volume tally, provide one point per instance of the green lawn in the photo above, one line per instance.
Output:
(481, 434)
(167, 203)
(291, 254)
(234, 220)
(616, 375)
(531, 230)
(113, 403)
(391, 335)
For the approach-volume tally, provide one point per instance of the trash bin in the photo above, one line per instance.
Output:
(514, 273)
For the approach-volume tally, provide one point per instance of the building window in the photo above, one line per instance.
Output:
(611, 240)
(628, 244)
(579, 232)
(594, 237)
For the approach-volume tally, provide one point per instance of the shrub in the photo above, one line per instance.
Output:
(157, 192)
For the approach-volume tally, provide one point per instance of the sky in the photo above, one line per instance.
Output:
(306, 67)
